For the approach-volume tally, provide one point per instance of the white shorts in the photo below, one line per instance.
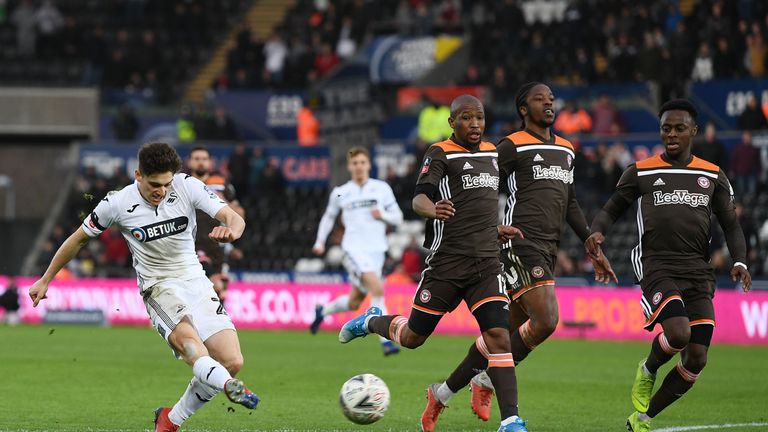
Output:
(358, 263)
(169, 301)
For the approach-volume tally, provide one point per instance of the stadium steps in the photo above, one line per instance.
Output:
(262, 17)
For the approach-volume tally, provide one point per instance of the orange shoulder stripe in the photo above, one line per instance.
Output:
(563, 142)
(702, 164)
(486, 146)
(522, 137)
(450, 146)
(652, 162)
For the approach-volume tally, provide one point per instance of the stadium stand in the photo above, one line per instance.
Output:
(117, 45)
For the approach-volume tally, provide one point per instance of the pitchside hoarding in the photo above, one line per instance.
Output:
(614, 314)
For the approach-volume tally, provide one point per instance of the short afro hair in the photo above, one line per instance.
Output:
(158, 158)
(681, 105)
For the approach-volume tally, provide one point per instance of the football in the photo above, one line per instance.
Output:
(364, 398)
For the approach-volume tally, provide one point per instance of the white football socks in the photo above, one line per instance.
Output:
(196, 395)
(339, 304)
(211, 372)
(444, 394)
(379, 303)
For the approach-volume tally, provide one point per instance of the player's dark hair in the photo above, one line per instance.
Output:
(158, 157)
(522, 95)
(357, 150)
(681, 105)
(199, 148)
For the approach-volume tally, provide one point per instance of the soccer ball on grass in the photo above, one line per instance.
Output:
(364, 399)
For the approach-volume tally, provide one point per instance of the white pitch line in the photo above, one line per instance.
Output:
(705, 427)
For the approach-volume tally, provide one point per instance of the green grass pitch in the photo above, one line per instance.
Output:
(111, 379)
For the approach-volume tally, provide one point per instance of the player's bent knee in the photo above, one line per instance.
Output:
(695, 363)
(497, 339)
(234, 364)
(412, 340)
(678, 337)
(545, 326)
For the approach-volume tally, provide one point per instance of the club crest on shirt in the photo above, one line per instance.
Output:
(172, 199)
(425, 166)
(656, 298)
(569, 159)
(537, 272)
(703, 182)
(495, 164)
(425, 296)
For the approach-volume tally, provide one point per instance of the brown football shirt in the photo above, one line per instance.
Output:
(675, 206)
(469, 178)
(539, 179)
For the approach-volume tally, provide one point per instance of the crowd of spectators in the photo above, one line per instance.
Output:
(121, 45)
(603, 41)
(314, 38)
(588, 41)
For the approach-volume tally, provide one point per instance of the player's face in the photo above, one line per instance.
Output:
(677, 131)
(540, 106)
(200, 163)
(359, 167)
(469, 123)
(154, 187)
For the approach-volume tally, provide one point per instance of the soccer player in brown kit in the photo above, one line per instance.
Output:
(676, 194)
(537, 166)
(457, 191)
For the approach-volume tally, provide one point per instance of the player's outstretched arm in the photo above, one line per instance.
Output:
(424, 207)
(627, 191)
(66, 252)
(233, 227)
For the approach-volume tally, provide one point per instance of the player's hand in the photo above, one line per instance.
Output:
(592, 245)
(376, 213)
(508, 232)
(444, 209)
(318, 250)
(741, 274)
(37, 291)
(222, 234)
(603, 270)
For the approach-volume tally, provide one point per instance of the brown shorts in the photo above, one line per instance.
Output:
(443, 286)
(526, 268)
(666, 297)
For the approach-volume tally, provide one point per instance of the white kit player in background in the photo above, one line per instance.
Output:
(156, 215)
(367, 206)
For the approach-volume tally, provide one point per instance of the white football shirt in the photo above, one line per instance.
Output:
(162, 238)
(362, 232)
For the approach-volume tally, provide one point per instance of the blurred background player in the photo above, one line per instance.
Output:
(676, 194)
(9, 300)
(367, 206)
(156, 215)
(213, 255)
(538, 168)
(457, 192)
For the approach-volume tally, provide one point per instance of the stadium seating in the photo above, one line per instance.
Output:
(121, 45)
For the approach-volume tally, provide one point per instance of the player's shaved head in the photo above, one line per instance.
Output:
(462, 101)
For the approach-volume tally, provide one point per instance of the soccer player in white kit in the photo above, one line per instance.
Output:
(156, 215)
(367, 206)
